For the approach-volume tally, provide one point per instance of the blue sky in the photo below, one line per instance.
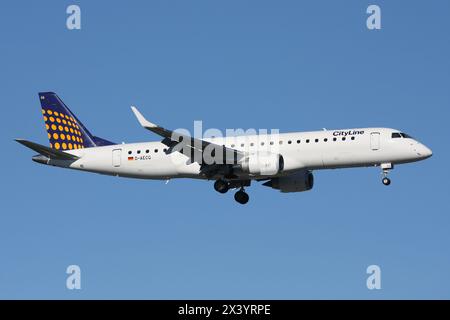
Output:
(292, 65)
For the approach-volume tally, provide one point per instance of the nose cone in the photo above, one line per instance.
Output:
(428, 153)
(424, 152)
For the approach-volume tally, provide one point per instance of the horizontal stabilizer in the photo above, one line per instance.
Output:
(46, 151)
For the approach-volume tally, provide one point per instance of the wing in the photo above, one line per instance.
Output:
(171, 138)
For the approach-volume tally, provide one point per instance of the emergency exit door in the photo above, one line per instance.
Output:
(116, 157)
(375, 140)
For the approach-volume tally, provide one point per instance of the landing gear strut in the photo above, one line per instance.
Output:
(241, 196)
(386, 167)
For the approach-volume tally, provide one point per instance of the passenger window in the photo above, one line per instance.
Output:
(252, 144)
(242, 145)
(139, 151)
(156, 150)
(147, 151)
(298, 141)
(334, 139)
(232, 145)
(307, 140)
(129, 152)
(281, 141)
(289, 142)
(343, 138)
(317, 140)
(325, 140)
(262, 143)
(271, 143)
(353, 138)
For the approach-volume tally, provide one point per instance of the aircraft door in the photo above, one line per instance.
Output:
(116, 157)
(375, 140)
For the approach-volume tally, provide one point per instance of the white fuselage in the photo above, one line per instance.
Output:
(300, 150)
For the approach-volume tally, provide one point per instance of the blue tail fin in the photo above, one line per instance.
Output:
(64, 129)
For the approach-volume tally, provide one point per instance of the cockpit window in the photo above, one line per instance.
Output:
(404, 135)
(401, 135)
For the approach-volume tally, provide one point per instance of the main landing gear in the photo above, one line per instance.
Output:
(240, 196)
(386, 167)
(221, 186)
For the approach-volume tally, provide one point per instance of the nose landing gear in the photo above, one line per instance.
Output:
(386, 167)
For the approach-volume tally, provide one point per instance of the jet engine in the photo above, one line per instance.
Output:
(296, 182)
(264, 164)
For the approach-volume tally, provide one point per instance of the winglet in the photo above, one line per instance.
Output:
(144, 122)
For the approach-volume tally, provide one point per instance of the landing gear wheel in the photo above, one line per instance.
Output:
(386, 167)
(241, 196)
(221, 186)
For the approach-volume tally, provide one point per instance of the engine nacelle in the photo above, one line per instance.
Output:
(263, 164)
(296, 182)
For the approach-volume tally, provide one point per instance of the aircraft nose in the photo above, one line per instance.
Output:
(428, 152)
(424, 152)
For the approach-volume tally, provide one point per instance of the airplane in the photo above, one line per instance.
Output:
(283, 161)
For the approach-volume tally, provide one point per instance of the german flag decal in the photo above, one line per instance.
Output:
(130, 158)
